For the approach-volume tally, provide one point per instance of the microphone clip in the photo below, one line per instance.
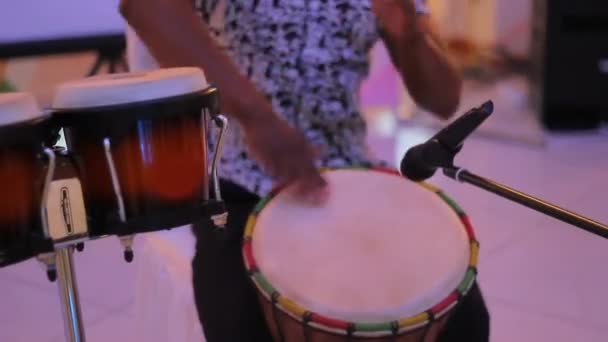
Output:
(439, 155)
(452, 137)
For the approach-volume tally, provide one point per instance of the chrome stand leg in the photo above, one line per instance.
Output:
(74, 328)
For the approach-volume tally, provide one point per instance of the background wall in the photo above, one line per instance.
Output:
(27, 20)
(484, 23)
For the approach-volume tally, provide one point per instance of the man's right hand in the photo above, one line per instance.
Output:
(286, 155)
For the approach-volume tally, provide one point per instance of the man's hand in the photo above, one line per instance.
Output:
(417, 53)
(398, 19)
(285, 154)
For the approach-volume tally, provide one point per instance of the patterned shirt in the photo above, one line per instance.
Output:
(309, 57)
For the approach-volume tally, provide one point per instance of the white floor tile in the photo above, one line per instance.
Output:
(104, 278)
(118, 327)
(29, 313)
(535, 275)
(511, 323)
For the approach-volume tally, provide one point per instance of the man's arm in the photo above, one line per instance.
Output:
(416, 51)
(177, 37)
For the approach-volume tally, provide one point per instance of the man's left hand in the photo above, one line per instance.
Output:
(398, 19)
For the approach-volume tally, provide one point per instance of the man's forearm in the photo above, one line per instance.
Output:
(431, 79)
(177, 37)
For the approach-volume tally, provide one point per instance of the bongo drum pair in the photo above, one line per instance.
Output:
(384, 259)
(136, 161)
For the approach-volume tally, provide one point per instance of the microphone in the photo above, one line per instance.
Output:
(415, 165)
(422, 161)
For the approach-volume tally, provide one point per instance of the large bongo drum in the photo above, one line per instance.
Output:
(23, 170)
(140, 142)
(385, 259)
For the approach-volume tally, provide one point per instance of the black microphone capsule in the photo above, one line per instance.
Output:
(414, 165)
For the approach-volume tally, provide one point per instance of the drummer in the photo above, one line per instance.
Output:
(289, 72)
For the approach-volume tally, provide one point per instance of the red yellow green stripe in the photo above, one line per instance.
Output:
(249, 226)
(474, 253)
(290, 306)
(467, 281)
(261, 205)
(263, 283)
(248, 256)
(445, 303)
(451, 203)
(414, 320)
(329, 322)
(429, 187)
(373, 327)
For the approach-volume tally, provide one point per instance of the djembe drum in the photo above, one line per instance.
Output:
(384, 259)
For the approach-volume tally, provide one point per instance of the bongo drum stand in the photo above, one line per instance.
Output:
(65, 221)
(60, 265)
(421, 161)
(68, 291)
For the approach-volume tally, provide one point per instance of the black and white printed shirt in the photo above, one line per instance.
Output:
(309, 57)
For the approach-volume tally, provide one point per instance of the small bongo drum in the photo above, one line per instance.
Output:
(140, 142)
(23, 169)
(384, 259)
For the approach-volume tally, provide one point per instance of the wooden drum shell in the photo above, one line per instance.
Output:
(286, 328)
(22, 172)
(159, 149)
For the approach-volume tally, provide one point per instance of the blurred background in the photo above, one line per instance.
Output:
(543, 63)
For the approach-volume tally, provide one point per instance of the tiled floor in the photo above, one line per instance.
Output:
(543, 280)
(31, 311)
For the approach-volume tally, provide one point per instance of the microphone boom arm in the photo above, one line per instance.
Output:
(587, 224)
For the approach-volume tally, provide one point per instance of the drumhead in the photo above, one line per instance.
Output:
(126, 88)
(382, 248)
(17, 108)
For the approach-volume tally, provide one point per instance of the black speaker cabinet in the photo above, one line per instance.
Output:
(570, 55)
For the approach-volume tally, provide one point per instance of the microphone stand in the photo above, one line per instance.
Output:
(587, 224)
(420, 163)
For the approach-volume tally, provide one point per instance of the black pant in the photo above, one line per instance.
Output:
(227, 302)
